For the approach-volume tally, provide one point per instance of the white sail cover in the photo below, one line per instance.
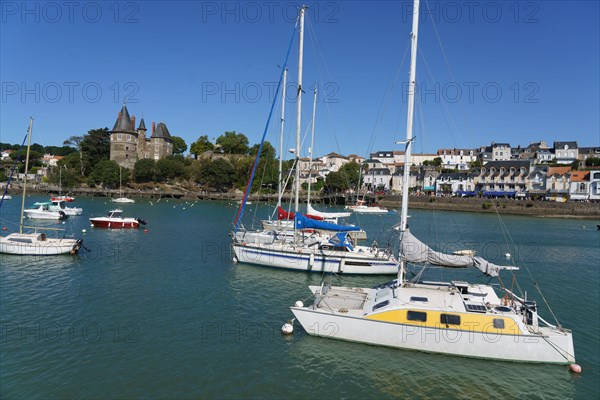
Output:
(310, 210)
(414, 251)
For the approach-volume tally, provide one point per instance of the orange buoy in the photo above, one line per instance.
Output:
(4, 228)
(576, 368)
(145, 230)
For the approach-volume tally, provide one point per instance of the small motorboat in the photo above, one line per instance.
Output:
(6, 197)
(59, 205)
(115, 220)
(123, 200)
(41, 210)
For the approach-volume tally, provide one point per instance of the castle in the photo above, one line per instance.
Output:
(128, 144)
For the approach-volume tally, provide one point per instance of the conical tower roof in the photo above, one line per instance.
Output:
(162, 132)
(142, 125)
(123, 123)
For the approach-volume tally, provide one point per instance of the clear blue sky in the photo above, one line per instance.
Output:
(524, 71)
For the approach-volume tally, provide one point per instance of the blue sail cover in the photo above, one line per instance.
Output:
(341, 239)
(302, 222)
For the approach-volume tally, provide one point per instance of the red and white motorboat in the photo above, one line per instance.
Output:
(115, 220)
(68, 199)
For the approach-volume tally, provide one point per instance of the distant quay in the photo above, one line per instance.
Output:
(534, 208)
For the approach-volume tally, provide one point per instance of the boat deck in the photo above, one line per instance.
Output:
(336, 299)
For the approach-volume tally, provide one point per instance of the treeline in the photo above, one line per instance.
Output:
(220, 164)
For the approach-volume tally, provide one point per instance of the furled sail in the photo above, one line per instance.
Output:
(415, 251)
(289, 215)
(302, 222)
(311, 211)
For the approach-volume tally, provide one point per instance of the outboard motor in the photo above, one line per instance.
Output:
(62, 215)
(140, 221)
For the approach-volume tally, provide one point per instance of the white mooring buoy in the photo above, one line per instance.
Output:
(576, 368)
(507, 255)
(288, 327)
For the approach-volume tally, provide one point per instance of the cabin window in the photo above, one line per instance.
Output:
(449, 319)
(381, 305)
(416, 316)
(498, 323)
(421, 299)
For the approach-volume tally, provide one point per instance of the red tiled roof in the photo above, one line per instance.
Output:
(558, 171)
(580, 176)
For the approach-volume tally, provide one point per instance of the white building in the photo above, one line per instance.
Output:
(457, 158)
(566, 152)
(595, 185)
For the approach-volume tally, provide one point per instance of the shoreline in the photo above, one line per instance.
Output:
(537, 208)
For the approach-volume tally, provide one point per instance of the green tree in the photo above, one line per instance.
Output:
(144, 170)
(201, 145)
(179, 145)
(169, 168)
(268, 151)
(347, 177)
(592, 162)
(75, 141)
(575, 165)
(233, 143)
(217, 174)
(106, 174)
(59, 151)
(68, 178)
(95, 147)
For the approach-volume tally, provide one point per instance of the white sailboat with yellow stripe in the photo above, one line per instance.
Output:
(453, 317)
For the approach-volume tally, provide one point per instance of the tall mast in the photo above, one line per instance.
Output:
(312, 142)
(26, 169)
(409, 116)
(299, 106)
(412, 86)
(279, 181)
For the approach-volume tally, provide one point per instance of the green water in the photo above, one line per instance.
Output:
(166, 314)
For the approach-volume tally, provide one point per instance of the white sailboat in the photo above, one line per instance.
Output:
(312, 252)
(121, 199)
(455, 318)
(35, 243)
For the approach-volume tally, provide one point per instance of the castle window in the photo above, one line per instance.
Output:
(126, 147)
(120, 137)
(129, 138)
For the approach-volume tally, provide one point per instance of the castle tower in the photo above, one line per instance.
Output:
(142, 151)
(124, 140)
(161, 143)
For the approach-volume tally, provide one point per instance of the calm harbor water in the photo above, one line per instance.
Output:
(166, 314)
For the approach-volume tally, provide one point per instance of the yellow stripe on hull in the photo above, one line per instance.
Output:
(468, 322)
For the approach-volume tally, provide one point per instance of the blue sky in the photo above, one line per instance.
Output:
(515, 72)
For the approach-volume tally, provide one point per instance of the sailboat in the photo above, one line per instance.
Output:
(121, 199)
(35, 243)
(60, 197)
(455, 318)
(306, 249)
(309, 208)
